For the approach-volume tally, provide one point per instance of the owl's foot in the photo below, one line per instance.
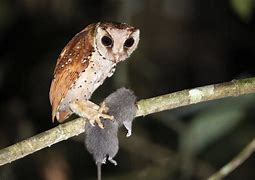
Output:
(97, 118)
(104, 110)
(90, 111)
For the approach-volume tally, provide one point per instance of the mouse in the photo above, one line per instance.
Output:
(103, 143)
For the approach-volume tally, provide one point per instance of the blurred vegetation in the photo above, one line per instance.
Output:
(184, 44)
(244, 8)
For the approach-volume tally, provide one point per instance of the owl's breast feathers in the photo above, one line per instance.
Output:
(73, 59)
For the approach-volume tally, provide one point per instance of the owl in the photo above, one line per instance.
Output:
(85, 62)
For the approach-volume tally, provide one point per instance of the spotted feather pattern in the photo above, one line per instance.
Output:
(73, 60)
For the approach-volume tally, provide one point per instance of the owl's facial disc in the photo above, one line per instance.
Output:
(116, 44)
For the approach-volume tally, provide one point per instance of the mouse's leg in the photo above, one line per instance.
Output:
(112, 161)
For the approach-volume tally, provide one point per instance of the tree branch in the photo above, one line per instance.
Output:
(237, 161)
(145, 107)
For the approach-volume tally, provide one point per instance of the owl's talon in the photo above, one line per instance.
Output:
(97, 119)
(103, 108)
(99, 123)
(106, 116)
(92, 123)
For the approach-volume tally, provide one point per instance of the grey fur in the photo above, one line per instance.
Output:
(122, 106)
(103, 143)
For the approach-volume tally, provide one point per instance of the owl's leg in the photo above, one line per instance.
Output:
(91, 111)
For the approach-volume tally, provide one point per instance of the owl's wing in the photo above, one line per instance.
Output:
(71, 62)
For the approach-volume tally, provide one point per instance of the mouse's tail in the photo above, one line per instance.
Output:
(99, 171)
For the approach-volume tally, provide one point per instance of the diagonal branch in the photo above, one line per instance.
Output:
(233, 164)
(145, 107)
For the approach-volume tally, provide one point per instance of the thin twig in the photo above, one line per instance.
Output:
(237, 161)
(145, 107)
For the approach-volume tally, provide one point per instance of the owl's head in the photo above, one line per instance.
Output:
(116, 41)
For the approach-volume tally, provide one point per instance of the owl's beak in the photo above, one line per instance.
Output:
(116, 58)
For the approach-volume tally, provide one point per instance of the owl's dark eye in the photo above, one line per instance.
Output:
(106, 41)
(129, 42)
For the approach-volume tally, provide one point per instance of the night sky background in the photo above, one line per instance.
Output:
(184, 44)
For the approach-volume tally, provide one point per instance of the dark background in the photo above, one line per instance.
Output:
(184, 44)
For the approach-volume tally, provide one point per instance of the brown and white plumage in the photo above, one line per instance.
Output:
(86, 61)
